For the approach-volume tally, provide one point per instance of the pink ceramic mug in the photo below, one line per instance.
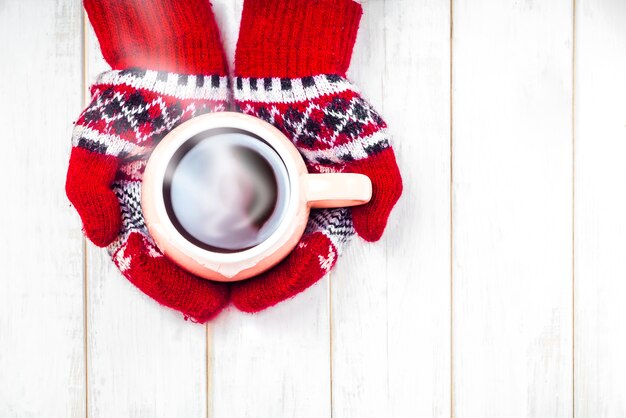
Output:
(186, 222)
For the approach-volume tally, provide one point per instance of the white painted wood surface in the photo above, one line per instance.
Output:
(512, 209)
(42, 366)
(496, 292)
(600, 174)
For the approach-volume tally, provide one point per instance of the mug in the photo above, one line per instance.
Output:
(227, 196)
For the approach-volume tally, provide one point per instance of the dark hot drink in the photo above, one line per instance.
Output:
(226, 190)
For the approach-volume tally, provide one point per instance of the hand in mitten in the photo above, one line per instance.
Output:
(168, 66)
(291, 60)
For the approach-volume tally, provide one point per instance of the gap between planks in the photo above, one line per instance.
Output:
(573, 196)
(451, 197)
(84, 240)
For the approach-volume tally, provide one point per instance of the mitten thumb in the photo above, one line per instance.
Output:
(88, 187)
(370, 220)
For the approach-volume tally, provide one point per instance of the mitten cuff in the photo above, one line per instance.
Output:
(296, 38)
(178, 36)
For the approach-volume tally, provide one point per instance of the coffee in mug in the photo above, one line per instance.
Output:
(227, 196)
(226, 190)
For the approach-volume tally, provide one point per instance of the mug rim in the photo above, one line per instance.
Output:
(200, 261)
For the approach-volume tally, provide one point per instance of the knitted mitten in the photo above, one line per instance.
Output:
(168, 66)
(291, 60)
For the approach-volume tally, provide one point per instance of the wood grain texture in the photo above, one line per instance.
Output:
(512, 208)
(143, 359)
(41, 259)
(275, 363)
(600, 208)
(391, 300)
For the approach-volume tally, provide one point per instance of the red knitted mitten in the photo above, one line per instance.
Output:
(168, 66)
(291, 61)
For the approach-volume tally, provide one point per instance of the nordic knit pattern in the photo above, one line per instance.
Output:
(330, 124)
(168, 66)
(334, 129)
(290, 64)
(131, 111)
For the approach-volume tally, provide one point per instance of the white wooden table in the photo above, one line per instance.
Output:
(499, 289)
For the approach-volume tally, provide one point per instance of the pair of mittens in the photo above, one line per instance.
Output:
(290, 65)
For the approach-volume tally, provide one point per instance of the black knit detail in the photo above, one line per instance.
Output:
(92, 146)
(121, 126)
(307, 140)
(339, 105)
(332, 122)
(182, 79)
(308, 81)
(352, 128)
(324, 161)
(285, 84)
(135, 72)
(264, 114)
(376, 148)
(293, 115)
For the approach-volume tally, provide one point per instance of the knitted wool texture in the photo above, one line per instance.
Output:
(291, 60)
(131, 110)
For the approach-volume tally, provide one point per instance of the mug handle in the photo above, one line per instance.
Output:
(337, 190)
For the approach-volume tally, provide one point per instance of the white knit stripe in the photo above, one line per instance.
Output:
(110, 144)
(245, 88)
(297, 93)
(380, 138)
(355, 148)
(170, 86)
(275, 84)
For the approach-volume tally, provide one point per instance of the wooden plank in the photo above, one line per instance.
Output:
(512, 208)
(417, 72)
(391, 300)
(275, 363)
(144, 360)
(600, 223)
(42, 369)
